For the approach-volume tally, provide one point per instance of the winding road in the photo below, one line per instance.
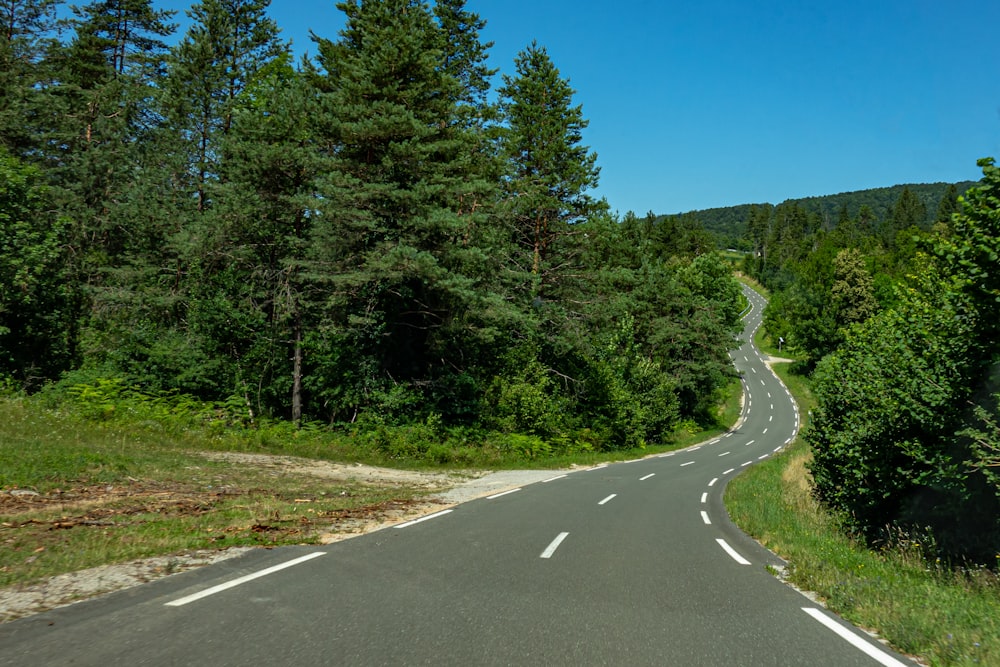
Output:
(632, 563)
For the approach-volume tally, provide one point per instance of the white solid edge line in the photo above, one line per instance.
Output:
(551, 549)
(504, 493)
(704, 517)
(732, 552)
(242, 580)
(424, 518)
(857, 642)
(607, 499)
(552, 479)
(643, 479)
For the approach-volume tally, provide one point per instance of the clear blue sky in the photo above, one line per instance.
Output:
(707, 103)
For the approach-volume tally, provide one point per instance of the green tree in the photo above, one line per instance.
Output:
(949, 204)
(227, 44)
(464, 56)
(394, 242)
(549, 169)
(897, 437)
(37, 328)
(852, 295)
(26, 35)
(248, 297)
(908, 215)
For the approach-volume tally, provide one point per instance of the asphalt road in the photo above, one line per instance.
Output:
(627, 564)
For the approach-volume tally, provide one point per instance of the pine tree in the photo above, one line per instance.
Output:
(549, 170)
(394, 241)
(948, 205)
(249, 293)
(464, 56)
(26, 34)
(229, 42)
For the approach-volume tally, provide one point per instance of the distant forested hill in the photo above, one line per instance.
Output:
(728, 224)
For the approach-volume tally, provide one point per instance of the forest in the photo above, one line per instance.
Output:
(390, 233)
(894, 318)
(729, 223)
(395, 235)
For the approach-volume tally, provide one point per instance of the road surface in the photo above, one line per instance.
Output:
(627, 564)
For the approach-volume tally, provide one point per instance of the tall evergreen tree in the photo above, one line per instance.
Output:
(393, 241)
(908, 212)
(249, 292)
(464, 55)
(228, 43)
(26, 33)
(549, 169)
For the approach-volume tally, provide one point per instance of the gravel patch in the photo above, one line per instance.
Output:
(448, 489)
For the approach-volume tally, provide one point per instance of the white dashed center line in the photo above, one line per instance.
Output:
(551, 549)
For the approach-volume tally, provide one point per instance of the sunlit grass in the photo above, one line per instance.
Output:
(118, 490)
(947, 617)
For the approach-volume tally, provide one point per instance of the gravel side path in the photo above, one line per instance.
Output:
(19, 601)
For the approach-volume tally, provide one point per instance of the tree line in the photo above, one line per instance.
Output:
(728, 224)
(896, 319)
(371, 236)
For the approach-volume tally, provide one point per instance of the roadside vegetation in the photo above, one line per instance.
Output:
(944, 614)
(95, 477)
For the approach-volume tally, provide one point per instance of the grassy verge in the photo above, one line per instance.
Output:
(947, 617)
(88, 495)
(91, 492)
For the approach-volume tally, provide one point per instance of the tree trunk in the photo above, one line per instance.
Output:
(297, 375)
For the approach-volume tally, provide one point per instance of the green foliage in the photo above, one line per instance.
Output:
(548, 170)
(370, 240)
(524, 398)
(37, 332)
(892, 385)
(733, 226)
(891, 434)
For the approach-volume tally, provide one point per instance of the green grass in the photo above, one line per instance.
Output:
(945, 616)
(126, 486)
(113, 493)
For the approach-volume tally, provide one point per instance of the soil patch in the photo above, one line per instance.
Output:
(82, 506)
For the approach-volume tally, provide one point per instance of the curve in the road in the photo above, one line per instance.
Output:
(632, 563)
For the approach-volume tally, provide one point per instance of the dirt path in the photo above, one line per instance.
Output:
(447, 488)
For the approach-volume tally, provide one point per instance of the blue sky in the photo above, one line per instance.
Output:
(718, 102)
